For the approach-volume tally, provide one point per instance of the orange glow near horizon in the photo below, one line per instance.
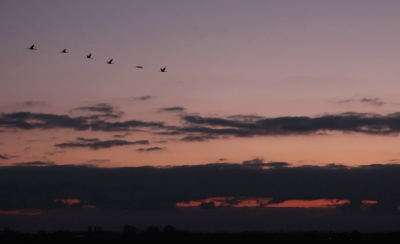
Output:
(318, 203)
(263, 202)
(30, 212)
(68, 201)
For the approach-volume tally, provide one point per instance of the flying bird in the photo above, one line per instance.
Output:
(32, 47)
(89, 56)
(110, 62)
(64, 51)
(139, 67)
(163, 69)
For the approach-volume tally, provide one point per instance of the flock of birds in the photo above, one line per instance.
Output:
(90, 56)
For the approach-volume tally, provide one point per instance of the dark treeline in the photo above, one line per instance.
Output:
(130, 234)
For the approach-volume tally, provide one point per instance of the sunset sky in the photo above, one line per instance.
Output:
(252, 88)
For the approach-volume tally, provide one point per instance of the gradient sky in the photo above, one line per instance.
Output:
(301, 82)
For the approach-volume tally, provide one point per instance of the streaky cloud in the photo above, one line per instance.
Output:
(172, 109)
(96, 144)
(35, 163)
(150, 149)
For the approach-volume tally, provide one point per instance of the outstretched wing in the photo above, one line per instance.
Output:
(32, 47)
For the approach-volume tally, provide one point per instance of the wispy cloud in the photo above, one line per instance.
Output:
(150, 149)
(373, 101)
(143, 98)
(96, 144)
(198, 138)
(35, 163)
(35, 103)
(257, 162)
(3, 156)
(105, 109)
(172, 109)
(369, 101)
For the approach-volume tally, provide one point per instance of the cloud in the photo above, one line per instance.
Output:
(29, 121)
(98, 161)
(143, 98)
(246, 118)
(260, 163)
(198, 138)
(207, 205)
(373, 101)
(150, 149)
(345, 101)
(198, 128)
(3, 156)
(105, 109)
(122, 136)
(366, 123)
(96, 144)
(35, 163)
(369, 101)
(172, 109)
(35, 103)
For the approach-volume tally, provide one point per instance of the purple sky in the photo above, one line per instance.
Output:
(303, 82)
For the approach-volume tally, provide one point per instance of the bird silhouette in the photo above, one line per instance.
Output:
(110, 62)
(64, 51)
(163, 69)
(32, 47)
(139, 67)
(89, 56)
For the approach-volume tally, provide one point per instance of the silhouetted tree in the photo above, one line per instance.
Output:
(130, 230)
(169, 229)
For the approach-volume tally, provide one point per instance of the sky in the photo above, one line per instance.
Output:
(292, 88)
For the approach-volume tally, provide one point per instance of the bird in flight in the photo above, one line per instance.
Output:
(139, 67)
(32, 47)
(110, 62)
(89, 56)
(163, 69)
(64, 51)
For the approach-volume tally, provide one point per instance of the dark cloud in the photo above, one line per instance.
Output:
(105, 109)
(246, 118)
(150, 149)
(207, 205)
(35, 103)
(373, 101)
(198, 138)
(197, 128)
(143, 98)
(260, 163)
(101, 107)
(369, 101)
(347, 122)
(122, 136)
(3, 156)
(55, 152)
(345, 101)
(35, 163)
(172, 109)
(28, 121)
(161, 141)
(95, 143)
(98, 161)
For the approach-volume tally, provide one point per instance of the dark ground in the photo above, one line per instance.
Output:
(169, 234)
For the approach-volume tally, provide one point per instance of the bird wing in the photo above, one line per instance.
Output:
(32, 46)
